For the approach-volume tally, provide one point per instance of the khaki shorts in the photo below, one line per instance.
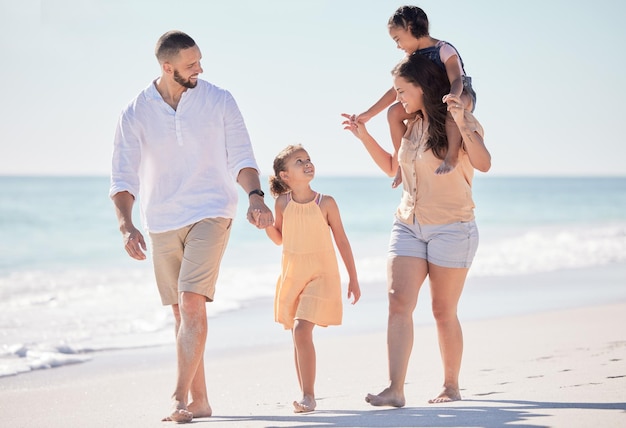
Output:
(188, 259)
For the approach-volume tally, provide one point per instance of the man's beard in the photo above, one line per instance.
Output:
(182, 82)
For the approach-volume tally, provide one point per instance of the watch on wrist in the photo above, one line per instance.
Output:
(257, 192)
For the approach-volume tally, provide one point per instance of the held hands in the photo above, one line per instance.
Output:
(363, 117)
(354, 125)
(455, 107)
(259, 214)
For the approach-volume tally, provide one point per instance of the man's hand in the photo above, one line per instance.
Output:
(135, 245)
(258, 213)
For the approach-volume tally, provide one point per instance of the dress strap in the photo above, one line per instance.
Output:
(318, 198)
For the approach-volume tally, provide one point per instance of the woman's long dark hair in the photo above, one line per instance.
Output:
(423, 72)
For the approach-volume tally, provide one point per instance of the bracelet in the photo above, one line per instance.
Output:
(257, 192)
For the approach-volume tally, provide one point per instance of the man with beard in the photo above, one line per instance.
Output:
(180, 146)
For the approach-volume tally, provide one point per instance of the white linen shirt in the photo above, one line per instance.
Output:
(183, 163)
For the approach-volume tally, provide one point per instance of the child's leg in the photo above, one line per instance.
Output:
(397, 116)
(454, 139)
(305, 365)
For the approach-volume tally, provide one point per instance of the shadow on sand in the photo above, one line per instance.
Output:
(497, 413)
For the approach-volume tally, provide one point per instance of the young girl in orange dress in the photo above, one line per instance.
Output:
(308, 291)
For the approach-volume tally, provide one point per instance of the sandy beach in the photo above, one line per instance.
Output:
(562, 368)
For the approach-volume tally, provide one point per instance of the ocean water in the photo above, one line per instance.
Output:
(68, 290)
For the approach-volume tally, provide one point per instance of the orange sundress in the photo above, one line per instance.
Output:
(309, 287)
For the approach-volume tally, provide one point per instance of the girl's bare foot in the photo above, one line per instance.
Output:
(307, 404)
(446, 166)
(446, 396)
(386, 398)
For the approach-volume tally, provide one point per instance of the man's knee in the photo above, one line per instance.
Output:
(192, 304)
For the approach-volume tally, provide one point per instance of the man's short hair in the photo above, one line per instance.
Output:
(170, 44)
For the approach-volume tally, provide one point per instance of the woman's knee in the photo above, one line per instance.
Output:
(401, 304)
(444, 312)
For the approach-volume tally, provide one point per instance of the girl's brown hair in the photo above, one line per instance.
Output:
(277, 185)
(410, 18)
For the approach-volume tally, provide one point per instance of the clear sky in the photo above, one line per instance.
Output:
(548, 74)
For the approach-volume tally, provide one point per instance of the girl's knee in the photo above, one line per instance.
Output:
(302, 328)
(396, 113)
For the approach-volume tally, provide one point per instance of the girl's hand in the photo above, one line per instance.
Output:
(259, 214)
(455, 107)
(363, 117)
(354, 291)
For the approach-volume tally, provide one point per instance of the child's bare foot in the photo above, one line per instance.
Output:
(446, 396)
(200, 410)
(307, 404)
(180, 414)
(386, 398)
(446, 166)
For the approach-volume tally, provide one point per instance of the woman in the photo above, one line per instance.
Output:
(434, 233)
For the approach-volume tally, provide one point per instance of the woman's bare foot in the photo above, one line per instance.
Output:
(307, 404)
(180, 414)
(446, 396)
(386, 398)
(200, 410)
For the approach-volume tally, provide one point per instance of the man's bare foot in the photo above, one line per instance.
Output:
(181, 416)
(386, 398)
(446, 167)
(200, 410)
(446, 396)
(307, 404)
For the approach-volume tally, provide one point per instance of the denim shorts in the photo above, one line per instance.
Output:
(448, 245)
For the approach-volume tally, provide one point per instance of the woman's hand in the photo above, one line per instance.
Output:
(473, 142)
(455, 107)
(386, 161)
(357, 128)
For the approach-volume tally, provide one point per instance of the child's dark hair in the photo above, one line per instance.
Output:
(277, 185)
(425, 73)
(411, 18)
